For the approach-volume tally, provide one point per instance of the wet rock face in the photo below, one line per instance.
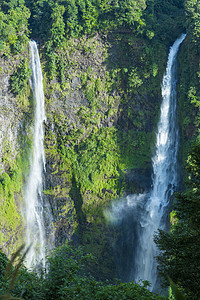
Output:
(8, 124)
(139, 179)
(11, 118)
(63, 115)
(11, 115)
(92, 74)
(90, 97)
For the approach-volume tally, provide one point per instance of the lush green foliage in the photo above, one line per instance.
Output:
(11, 222)
(75, 18)
(12, 179)
(189, 71)
(192, 8)
(19, 78)
(67, 278)
(14, 31)
(56, 20)
(180, 248)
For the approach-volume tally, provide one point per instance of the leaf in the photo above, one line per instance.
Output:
(176, 292)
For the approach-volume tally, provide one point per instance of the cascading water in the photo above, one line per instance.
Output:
(149, 210)
(34, 204)
(164, 173)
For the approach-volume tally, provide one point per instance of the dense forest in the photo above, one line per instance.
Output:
(103, 63)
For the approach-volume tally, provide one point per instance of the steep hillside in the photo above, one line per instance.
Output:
(103, 65)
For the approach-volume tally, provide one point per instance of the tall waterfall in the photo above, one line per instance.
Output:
(164, 172)
(34, 206)
(141, 215)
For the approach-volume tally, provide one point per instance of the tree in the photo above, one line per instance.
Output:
(58, 25)
(192, 9)
(130, 13)
(67, 278)
(13, 26)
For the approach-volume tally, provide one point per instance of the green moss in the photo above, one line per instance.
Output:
(136, 148)
(108, 131)
(16, 166)
(10, 198)
(19, 78)
(96, 153)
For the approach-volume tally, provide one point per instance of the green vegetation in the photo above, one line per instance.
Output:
(19, 79)
(98, 139)
(11, 191)
(192, 8)
(14, 31)
(76, 18)
(189, 71)
(67, 278)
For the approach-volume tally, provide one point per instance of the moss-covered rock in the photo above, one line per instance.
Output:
(15, 134)
(102, 104)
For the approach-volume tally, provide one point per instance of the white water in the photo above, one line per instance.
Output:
(140, 221)
(34, 217)
(164, 173)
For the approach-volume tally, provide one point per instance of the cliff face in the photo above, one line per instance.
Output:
(14, 133)
(10, 117)
(101, 113)
(100, 129)
(102, 110)
(102, 106)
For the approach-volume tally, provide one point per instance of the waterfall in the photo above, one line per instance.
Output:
(164, 173)
(139, 221)
(34, 203)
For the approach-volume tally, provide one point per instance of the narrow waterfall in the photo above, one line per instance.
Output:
(34, 206)
(139, 216)
(164, 173)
